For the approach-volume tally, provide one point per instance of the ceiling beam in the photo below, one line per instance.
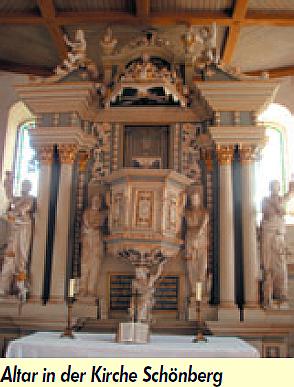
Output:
(279, 18)
(72, 17)
(48, 13)
(189, 18)
(20, 18)
(239, 15)
(277, 72)
(142, 8)
(13, 67)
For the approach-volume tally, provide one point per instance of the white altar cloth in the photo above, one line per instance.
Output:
(49, 344)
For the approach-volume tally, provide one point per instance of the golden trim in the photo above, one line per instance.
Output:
(67, 153)
(225, 154)
(83, 161)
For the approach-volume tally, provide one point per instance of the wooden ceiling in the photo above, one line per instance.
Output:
(57, 15)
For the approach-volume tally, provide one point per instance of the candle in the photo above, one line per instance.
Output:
(71, 287)
(198, 291)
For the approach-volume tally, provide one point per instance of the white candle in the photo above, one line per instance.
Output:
(71, 287)
(198, 291)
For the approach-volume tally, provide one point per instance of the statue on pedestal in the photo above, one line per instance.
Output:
(273, 246)
(16, 256)
(92, 247)
(197, 244)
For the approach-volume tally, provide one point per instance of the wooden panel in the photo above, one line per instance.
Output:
(166, 293)
(142, 142)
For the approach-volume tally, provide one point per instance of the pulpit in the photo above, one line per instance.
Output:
(146, 210)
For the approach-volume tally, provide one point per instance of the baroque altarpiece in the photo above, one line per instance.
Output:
(150, 156)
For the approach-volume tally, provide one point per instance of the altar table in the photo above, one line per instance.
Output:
(49, 344)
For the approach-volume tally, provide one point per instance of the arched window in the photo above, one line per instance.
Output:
(277, 157)
(25, 165)
(17, 115)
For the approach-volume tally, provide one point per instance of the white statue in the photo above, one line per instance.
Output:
(19, 241)
(76, 57)
(197, 244)
(143, 289)
(78, 47)
(206, 36)
(273, 245)
(92, 247)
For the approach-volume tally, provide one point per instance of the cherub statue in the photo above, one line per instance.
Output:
(273, 245)
(206, 36)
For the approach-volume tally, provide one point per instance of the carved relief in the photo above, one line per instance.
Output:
(172, 215)
(144, 208)
(118, 209)
(191, 152)
(101, 152)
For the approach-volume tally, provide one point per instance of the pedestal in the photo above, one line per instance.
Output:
(133, 333)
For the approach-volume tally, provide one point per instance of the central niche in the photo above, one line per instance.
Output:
(146, 147)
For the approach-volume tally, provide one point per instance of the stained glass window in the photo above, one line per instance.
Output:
(25, 166)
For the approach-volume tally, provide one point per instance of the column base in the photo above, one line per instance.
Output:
(228, 314)
(252, 305)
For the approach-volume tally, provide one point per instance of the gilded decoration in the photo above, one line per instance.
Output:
(83, 161)
(67, 153)
(225, 154)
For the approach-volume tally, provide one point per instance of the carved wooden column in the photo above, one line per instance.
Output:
(249, 227)
(83, 164)
(226, 218)
(37, 265)
(67, 156)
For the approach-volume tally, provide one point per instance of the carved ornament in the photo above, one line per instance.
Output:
(225, 154)
(45, 154)
(67, 153)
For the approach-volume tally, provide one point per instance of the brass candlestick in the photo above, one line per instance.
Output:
(68, 329)
(72, 286)
(199, 328)
(199, 325)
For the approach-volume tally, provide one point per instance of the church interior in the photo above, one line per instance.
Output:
(147, 169)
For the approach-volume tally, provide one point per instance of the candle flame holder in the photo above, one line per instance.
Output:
(68, 331)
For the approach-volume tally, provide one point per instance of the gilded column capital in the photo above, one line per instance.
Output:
(83, 161)
(225, 154)
(247, 154)
(45, 154)
(67, 153)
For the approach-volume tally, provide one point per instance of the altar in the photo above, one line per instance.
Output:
(50, 345)
(146, 204)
